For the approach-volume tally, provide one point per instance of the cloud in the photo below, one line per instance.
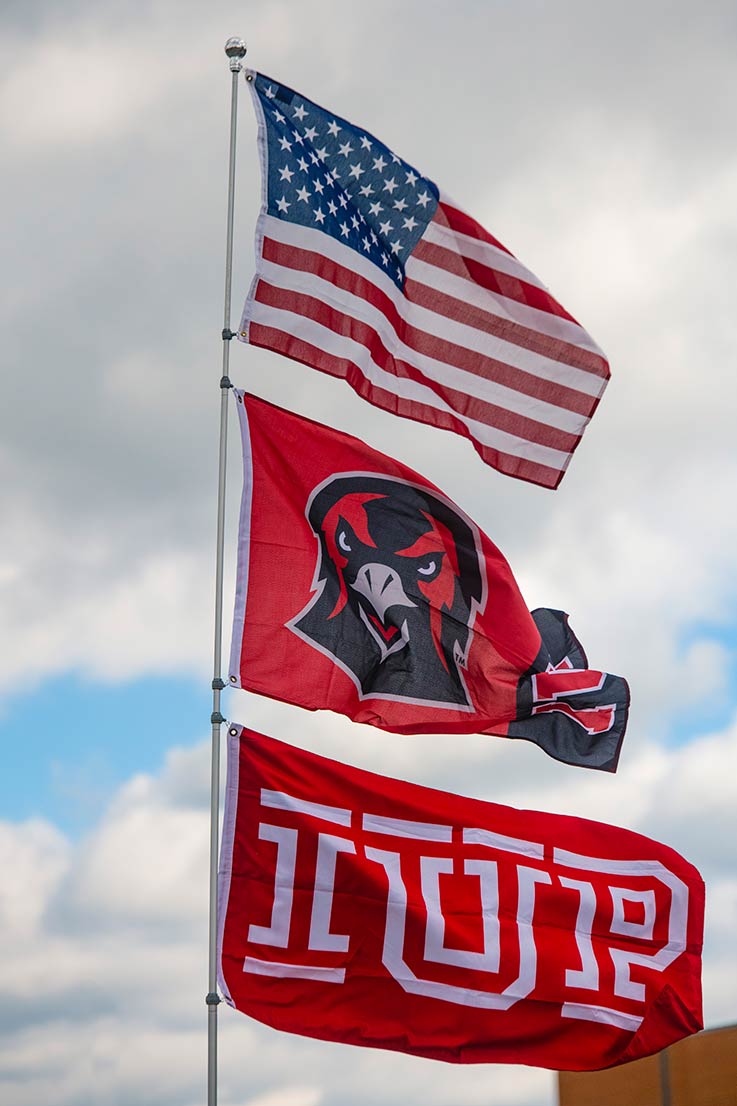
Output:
(103, 942)
(596, 154)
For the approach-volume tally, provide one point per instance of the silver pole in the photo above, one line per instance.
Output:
(235, 48)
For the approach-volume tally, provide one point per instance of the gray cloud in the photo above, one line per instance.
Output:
(597, 143)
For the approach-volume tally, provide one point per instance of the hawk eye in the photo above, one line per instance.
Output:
(343, 542)
(428, 569)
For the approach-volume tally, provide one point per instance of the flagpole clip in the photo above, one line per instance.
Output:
(235, 48)
(216, 718)
(213, 999)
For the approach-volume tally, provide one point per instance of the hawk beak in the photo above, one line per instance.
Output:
(382, 587)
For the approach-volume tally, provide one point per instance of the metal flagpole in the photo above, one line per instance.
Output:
(235, 48)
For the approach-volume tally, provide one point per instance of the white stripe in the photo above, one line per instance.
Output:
(244, 544)
(600, 1014)
(400, 827)
(450, 376)
(225, 869)
(438, 326)
(613, 867)
(293, 971)
(279, 800)
(468, 291)
(338, 346)
(502, 842)
(493, 256)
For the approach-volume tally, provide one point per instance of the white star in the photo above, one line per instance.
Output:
(344, 229)
(355, 222)
(400, 274)
(395, 159)
(314, 158)
(411, 177)
(285, 144)
(379, 164)
(411, 223)
(311, 134)
(396, 247)
(384, 259)
(423, 199)
(283, 205)
(303, 165)
(270, 93)
(322, 153)
(390, 185)
(333, 129)
(346, 149)
(300, 112)
(303, 194)
(375, 208)
(400, 204)
(298, 138)
(278, 116)
(343, 199)
(385, 228)
(374, 239)
(332, 208)
(286, 174)
(333, 174)
(328, 180)
(365, 144)
(319, 186)
(366, 190)
(319, 215)
(367, 245)
(357, 171)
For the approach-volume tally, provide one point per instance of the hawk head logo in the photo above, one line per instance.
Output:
(398, 582)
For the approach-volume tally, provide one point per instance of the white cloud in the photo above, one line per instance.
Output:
(103, 941)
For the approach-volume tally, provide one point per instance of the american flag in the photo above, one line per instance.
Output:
(367, 272)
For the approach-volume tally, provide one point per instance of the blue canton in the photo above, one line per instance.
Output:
(328, 174)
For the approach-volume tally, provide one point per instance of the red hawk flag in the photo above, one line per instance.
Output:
(366, 910)
(364, 590)
(365, 271)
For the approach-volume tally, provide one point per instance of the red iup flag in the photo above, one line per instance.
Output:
(362, 909)
(366, 272)
(364, 590)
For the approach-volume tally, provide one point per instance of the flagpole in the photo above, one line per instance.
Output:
(235, 49)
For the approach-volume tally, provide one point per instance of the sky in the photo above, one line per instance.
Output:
(596, 141)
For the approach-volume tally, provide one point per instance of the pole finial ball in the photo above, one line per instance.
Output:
(235, 48)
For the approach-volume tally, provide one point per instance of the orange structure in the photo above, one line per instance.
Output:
(698, 1071)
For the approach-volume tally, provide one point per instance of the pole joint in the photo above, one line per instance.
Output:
(216, 718)
(213, 999)
(217, 684)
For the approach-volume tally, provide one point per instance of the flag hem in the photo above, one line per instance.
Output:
(225, 868)
(244, 546)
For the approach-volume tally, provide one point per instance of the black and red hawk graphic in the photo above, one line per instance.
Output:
(399, 581)
(364, 590)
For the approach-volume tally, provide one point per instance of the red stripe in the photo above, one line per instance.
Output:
(501, 418)
(501, 284)
(442, 303)
(488, 368)
(453, 217)
(297, 350)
